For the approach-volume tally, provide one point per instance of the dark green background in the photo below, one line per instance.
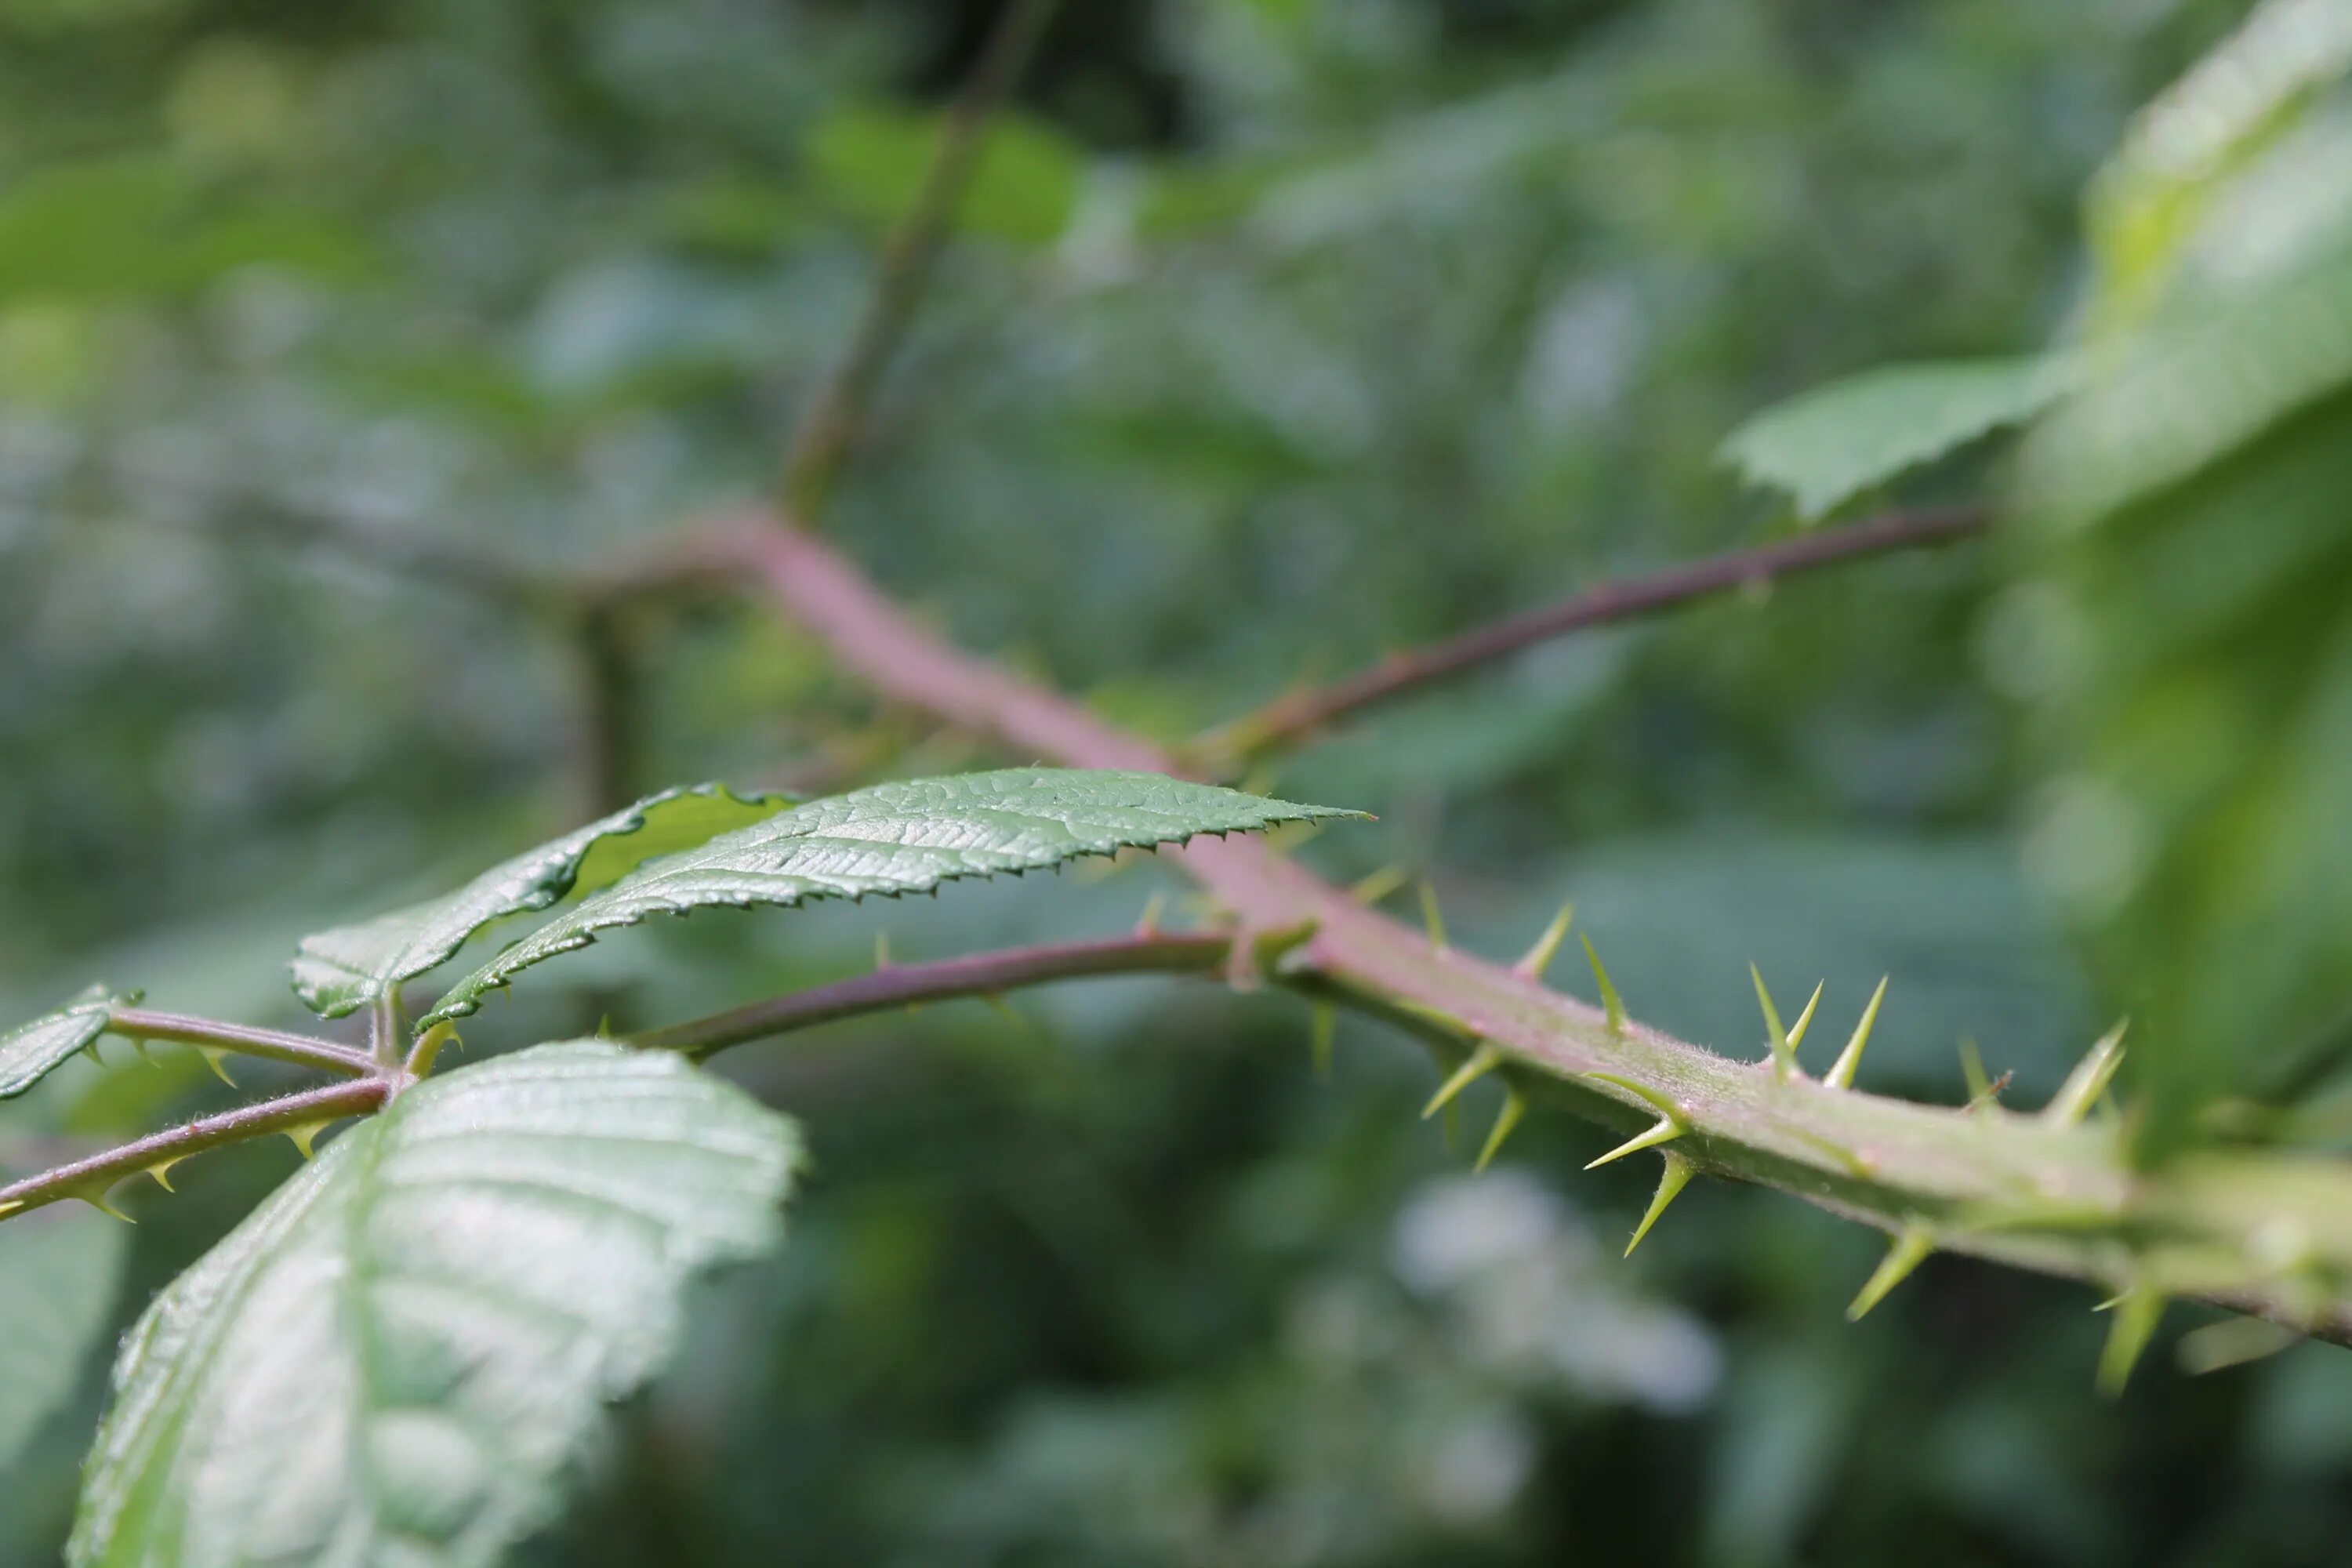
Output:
(1287, 332)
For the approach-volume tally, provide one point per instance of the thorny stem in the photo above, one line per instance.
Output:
(90, 1179)
(2262, 1234)
(821, 441)
(977, 974)
(301, 1050)
(1300, 714)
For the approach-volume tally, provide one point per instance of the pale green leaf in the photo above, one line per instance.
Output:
(902, 838)
(2182, 638)
(1827, 446)
(31, 1051)
(2186, 148)
(341, 971)
(58, 1276)
(399, 1358)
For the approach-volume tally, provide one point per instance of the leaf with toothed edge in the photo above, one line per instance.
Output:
(403, 1355)
(341, 971)
(1827, 446)
(32, 1050)
(894, 838)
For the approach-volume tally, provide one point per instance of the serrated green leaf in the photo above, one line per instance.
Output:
(399, 1357)
(341, 971)
(902, 838)
(1827, 446)
(58, 1277)
(32, 1050)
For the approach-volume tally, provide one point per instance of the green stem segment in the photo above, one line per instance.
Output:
(979, 974)
(2269, 1234)
(1298, 716)
(296, 1114)
(210, 1034)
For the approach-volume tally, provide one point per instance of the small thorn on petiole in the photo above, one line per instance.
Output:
(215, 1058)
(1376, 887)
(1148, 923)
(881, 949)
(162, 1171)
(97, 1194)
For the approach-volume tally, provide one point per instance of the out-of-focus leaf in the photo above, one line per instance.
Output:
(32, 1050)
(399, 1357)
(2192, 591)
(903, 837)
(58, 1276)
(2186, 147)
(341, 971)
(872, 161)
(1828, 446)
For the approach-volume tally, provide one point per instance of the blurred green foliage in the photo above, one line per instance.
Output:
(1287, 331)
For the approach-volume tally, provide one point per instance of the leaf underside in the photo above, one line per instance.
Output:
(341, 971)
(1827, 446)
(902, 838)
(32, 1050)
(399, 1357)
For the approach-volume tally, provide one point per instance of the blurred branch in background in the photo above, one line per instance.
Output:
(1300, 714)
(822, 439)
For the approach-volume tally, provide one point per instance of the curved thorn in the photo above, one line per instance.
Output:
(305, 1136)
(1611, 1003)
(1784, 1055)
(1507, 1120)
(1638, 1091)
(1841, 1071)
(2088, 1080)
(162, 1171)
(1146, 924)
(1323, 1023)
(1474, 1066)
(214, 1057)
(1668, 1129)
(2137, 1312)
(1671, 1183)
(1912, 1244)
(97, 1196)
(1805, 1019)
(1432, 922)
(11, 1206)
(1539, 958)
(96, 1056)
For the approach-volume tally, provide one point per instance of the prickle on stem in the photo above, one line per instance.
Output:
(1476, 1066)
(1611, 1003)
(1909, 1249)
(1671, 1183)
(1841, 1071)
(1539, 958)
(1506, 1121)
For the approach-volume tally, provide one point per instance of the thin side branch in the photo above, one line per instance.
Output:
(2023, 1191)
(821, 442)
(897, 985)
(1302, 713)
(208, 1033)
(90, 1179)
